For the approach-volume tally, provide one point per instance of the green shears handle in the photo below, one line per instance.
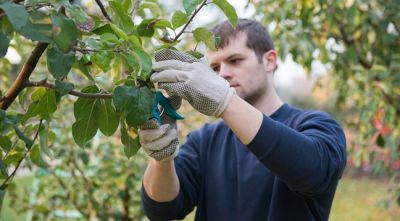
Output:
(163, 102)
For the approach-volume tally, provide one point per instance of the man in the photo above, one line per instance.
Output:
(265, 160)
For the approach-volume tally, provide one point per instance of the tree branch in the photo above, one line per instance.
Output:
(103, 10)
(5, 182)
(73, 92)
(190, 19)
(23, 76)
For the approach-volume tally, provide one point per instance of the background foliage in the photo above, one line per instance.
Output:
(79, 95)
(358, 42)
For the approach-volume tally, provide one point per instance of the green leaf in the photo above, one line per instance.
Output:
(3, 170)
(136, 103)
(109, 118)
(47, 104)
(141, 109)
(228, 10)
(190, 5)
(86, 113)
(103, 60)
(64, 31)
(28, 142)
(85, 128)
(38, 27)
(146, 28)
(121, 17)
(119, 32)
(153, 7)
(81, 104)
(16, 14)
(5, 143)
(4, 43)
(145, 62)
(59, 63)
(179, 18)
(36, 157)
(196, 54)
(63, 88)
(204, 35)
(82, 68)
(33, 110)
(2, 195)
(44, 139)
(162, 23)
(130, 140)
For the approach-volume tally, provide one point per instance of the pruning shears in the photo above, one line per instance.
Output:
(163, 106)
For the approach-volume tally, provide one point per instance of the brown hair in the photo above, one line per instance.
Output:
(258, 38)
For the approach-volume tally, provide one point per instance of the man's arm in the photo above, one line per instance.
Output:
(160, 180)
(244, 119)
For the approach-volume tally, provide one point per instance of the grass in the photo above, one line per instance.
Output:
(356, 199)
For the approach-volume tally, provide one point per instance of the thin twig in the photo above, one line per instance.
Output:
(86, 50)
(103, 10)
(73, 92)
(190, 19)
(20, 161)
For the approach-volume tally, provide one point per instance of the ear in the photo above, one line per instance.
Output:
(270, 60)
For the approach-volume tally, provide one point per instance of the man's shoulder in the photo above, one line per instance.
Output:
(299, 116)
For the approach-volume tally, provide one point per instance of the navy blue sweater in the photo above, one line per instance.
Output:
(289, 171)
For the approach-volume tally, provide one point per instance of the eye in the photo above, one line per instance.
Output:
(235, 60)
(215, 68)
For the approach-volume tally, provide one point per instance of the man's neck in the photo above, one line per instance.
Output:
(269, 103)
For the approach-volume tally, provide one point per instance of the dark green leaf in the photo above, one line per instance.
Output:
(204, 35)
(33, 110)
(178, 19)
(141, 108)
(63, 88)
(3, 170)
(5, 143)
(28, 142)
(64, 31)
(4, 43)
(228, 10)
(86, 126)
(146, 28)
(82, 68)
(190, 5)
(47, 104)
(2, 195)
(162, 23)
(16, 14)
(59, 63)
(109, 118)
(44, 139)
(82, 104)
(36, 157)
(38, 27)
(103, 29)
(130, 140)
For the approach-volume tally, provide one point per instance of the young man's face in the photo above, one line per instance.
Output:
(240, 66)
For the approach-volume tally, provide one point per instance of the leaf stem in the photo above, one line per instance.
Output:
(103, 10)
(190, 19)
(73, 92)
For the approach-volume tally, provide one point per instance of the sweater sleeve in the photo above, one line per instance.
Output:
(187, 166)
(309, 158)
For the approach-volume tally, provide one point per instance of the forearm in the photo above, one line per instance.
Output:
(160, 180)
(243, 119)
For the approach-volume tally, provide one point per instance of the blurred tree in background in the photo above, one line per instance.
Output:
(80, 71)
(358, 41)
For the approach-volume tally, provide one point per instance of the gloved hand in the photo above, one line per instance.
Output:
(195, 82)
(160, 142)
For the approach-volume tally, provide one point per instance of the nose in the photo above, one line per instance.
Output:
(225, 71)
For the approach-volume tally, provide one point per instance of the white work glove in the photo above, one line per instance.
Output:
(160, 142)
(195, 82)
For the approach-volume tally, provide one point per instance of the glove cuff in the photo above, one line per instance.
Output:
(225, 102)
